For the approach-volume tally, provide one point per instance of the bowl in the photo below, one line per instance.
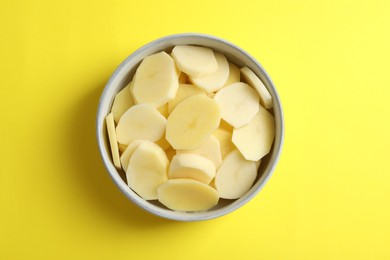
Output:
(122, 76)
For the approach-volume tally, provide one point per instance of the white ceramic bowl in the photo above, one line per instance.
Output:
(122, 76)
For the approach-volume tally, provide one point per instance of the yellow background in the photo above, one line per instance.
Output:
(329, 196)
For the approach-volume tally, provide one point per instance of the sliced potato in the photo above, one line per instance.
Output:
(187, 195)
(191, 166)
(156, 80)
(238, 102)
(255, 139)
(122, 102)
(113, 140)
(216, 80)
(210, 149)
(147, 170)
(140, 122)
(192, 122)
(235, 176)
(195, 61)
(251, 78)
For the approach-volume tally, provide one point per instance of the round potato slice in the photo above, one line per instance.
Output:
(187, 195)
(147, 170)
(195, 61)
(192, 122)
(191, 166)
(238, 102)
(140, 122)
(235, 176)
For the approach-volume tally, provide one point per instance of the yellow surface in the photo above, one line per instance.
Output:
(329, 196)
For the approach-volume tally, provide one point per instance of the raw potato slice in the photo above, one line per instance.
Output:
(225, 139)
(187, 195)
(156, 80)
(216, 80)
(184, 91)
(195, 61)
(147, 170)
(251, 78)
(191, 166)
(234, 74)
(192, 122)
(235, 176)
(113, 140)
(210, 149)
(164, 110)
(238, 102)
(255, 139)
(123, 101)
(140, 122)
(125, 157)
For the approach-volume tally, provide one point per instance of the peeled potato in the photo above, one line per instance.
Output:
(140, 122)
(216, 80)
(122, 101)
(191, 166)
(210, 149)
(251, 78)
(238, 102)
(156, 81)
(187, 195)
(192, 122)
(113, 140)
(235, 176)
(255, 139)
(195, 61)
(234, 74)
(147, 170)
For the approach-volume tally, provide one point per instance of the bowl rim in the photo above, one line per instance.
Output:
(167, 213)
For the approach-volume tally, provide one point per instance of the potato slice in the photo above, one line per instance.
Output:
(113, 140)
(251, 78)
(192, 122)
(147, 170)
(122, 102)
(195, 61)
(210, 149)
(235, 176)
(225, 140)
(184, 91)
(140, 122)
(125, 157)
(234, 74)
(255, 139)
(156, 81)
(187, 195)
(191, 166)
(216, 80)
(239, 103)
